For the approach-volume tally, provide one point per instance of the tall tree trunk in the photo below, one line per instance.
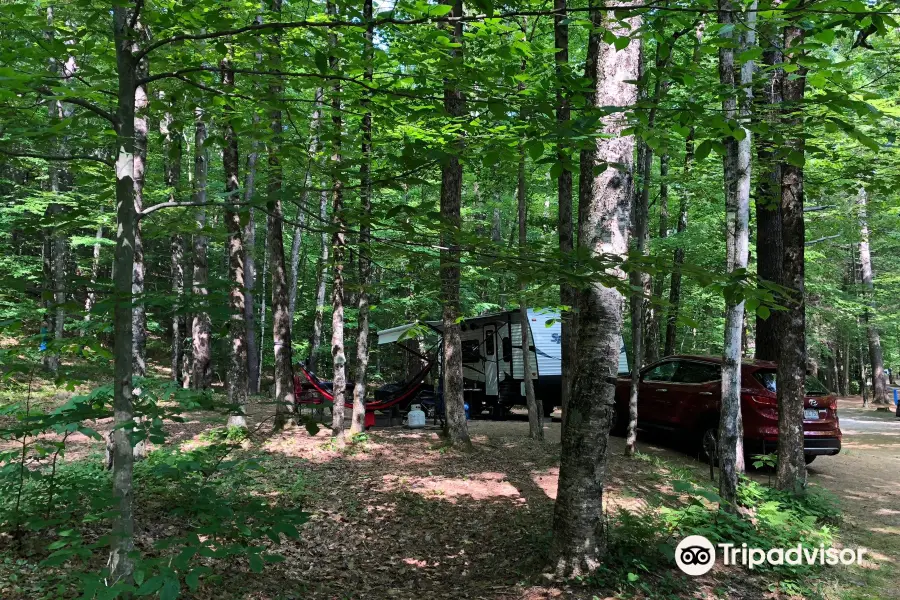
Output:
(55, 244)
(91, 298)
(579, 536)
(338, 243)
(201, 326)
(262, 303)
(358, 421)
(237, 327)
(640, 281)
(683, 204)
(249, 235)
(791, 475)
(316, 338)
(654, 322)
(535, 411)
(172, 153)
(249, 238)
(121, 563)
(737, 80)
(564, 200)
(141, 129)
(451, 200)
(297, 239)
(281, 317)
(769, 247)
(879, 383)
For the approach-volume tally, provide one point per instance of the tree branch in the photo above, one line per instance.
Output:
(175, 204)
(82, 103)
(810, 209)
(822, 239)
(56, 157)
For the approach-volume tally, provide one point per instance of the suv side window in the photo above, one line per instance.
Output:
(697, 372)
(661, 372)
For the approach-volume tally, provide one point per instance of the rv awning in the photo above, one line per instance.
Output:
(394, 334)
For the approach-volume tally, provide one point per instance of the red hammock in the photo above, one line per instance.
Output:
(412, 388)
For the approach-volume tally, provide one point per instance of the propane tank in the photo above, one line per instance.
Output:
(416, 417)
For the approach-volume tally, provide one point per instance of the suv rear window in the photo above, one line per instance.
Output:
(768, 377)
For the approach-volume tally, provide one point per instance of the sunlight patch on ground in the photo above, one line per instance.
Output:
(481, 486)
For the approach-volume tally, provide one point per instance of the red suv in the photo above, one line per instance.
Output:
(684, 394)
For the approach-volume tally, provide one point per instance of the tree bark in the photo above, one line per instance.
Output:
(297, 239)
(91, 298)
(737, 80)
(876, 356)
(281, 316)
(338, 243)
(316, 338)
(579, 535)
(564, 200)
(654, 322)
(141, 129)
(249, 234)
(201, 325)
(237, 332)
(535, 411)
(121, 564)
(358, 420)
(451, 206)
(172, 153)
(769, 247)
(791, 473)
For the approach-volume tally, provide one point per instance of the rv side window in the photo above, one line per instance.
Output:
(470, 351)
(507, 349)
(489, 344)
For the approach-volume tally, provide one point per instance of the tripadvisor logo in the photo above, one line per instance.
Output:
(695, 555)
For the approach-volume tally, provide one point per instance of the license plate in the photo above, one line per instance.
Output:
(810, 414)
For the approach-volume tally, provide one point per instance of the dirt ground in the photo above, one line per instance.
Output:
(401, 517)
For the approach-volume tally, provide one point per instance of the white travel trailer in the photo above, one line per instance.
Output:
(493, 370)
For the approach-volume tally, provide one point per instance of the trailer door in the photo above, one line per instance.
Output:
(490, 360)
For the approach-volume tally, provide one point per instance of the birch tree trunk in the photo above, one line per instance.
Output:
(564, 200)
(451, 200)
(876, 356)
(358, 420)
(737, 80)
(172, 153)
(338, 242)
(141, 129)
(121, 564)
(281, 316)
(237, 332)
(791, 473)
(535, 412)
(579, 536)
(201, 325)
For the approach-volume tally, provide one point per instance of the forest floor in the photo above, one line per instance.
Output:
(399, 516)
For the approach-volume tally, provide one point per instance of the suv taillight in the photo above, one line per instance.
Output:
(765, 400)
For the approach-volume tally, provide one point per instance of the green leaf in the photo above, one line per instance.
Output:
(535, 149)
(150, 586)
(703, 150)
(763, 312)
(171, 589)
(622, 42)
(256, 563)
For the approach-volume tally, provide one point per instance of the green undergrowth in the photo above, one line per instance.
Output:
(640, 559)
(204, 509)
